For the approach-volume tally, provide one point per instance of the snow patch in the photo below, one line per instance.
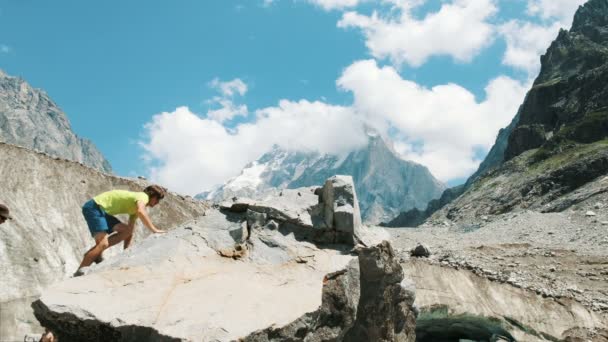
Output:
(251, 177)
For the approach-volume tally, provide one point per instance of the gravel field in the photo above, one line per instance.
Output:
(553, 254)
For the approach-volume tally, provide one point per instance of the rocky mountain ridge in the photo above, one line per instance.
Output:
(558, 140)
(30, 118)
(386, 184)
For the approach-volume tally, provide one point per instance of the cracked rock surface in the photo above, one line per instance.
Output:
(245, 271)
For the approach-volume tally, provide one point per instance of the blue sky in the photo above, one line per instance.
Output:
(141, 79)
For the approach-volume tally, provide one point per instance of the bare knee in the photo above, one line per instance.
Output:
(102, 245)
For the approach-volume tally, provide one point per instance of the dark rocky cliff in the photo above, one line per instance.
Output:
(557, 141)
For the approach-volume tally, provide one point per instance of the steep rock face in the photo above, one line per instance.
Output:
(569, 100)
(496, 155)
(415, 217)
(246, 272)
(385, 183)
(494, 159)
(559, 140)
(48, 236)
(564, 115)
(29, 118)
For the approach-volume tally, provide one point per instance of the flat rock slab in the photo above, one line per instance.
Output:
(216, 299)
(293, 205)
(176, 286)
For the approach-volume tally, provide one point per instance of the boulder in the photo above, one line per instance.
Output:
(47, 238)
(239, 276)
(324, 215)
(382, 282)
(420, 251)
(340, 208)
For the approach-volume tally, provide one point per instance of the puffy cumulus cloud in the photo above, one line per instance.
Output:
(191, 153)
(439, 127)
(563, 10)
(460, 29)
(230, 88)
(227, 110)
(526, 42)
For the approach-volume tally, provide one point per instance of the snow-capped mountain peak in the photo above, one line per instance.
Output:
(386, 183)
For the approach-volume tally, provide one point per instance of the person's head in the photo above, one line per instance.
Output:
(155, 193)
(4, 214)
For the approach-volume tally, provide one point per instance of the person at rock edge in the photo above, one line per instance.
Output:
(106, 229)
(4, 214)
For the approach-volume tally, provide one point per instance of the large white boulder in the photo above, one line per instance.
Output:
(253, 274)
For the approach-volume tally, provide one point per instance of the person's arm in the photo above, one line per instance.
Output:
(143, 215)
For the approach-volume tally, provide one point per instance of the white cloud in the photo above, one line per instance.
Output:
(5, 48)
(439, 127)
(563, 10)
(526, 42)
(228, 109)
(447, 120)
(326, 5)
(335, 4)
(230, 88)
(459, 29)
(195, 153)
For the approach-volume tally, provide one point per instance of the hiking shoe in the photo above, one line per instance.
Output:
(99, 259)
(78, 273)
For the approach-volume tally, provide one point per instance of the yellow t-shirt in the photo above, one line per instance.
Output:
(121, 202)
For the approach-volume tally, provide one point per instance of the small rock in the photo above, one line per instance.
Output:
(574, 289)
(272, 225)
(32, 337)
(420, 251)
(552, 269)
(590, 213)
(605, 223)
(598, 205)
(600, 306)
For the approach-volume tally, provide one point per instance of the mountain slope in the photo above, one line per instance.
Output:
(556, 155)
(386, 184)
(563, 118)
(29, 118)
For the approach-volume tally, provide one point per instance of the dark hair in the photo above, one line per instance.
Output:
(155, 191)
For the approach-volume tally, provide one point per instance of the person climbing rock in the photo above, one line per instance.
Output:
(4, 214)
(106, 229)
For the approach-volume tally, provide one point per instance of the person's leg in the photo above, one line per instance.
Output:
(128, 240)
(123, 233)
(101, 244)
(98, 226)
